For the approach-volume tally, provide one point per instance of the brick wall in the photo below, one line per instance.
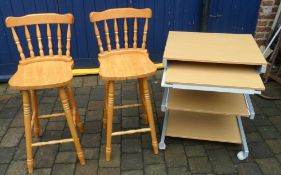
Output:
(267, 12)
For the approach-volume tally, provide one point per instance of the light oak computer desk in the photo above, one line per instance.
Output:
(208, 78)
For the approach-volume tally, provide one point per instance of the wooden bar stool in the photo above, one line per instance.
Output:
(44, 72)
(124, 64)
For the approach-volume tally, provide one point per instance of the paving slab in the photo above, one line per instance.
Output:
(132, 154)
(174, 155)
(200, 165)
(63, 169)
(269, 166)
(91, 168)
(131, 161)
(155, 169)
(12, 137)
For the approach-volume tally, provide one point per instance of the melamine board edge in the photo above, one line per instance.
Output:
(216, 62)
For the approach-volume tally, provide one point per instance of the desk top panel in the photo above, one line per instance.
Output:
(213, 75)
(213, 48)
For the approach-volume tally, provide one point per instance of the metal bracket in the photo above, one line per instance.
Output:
(262, 69)
(162, 145)
(250, 106)
(165, 63)
(164, 108)
(242, 155)
(165, 100)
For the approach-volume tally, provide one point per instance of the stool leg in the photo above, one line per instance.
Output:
(150, 115)
(27, 128)
(110, 103)
(143, 102)
(105, 104)
(35, 113)
(71, 125)
(75, 112)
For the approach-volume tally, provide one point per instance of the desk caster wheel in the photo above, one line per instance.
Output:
(162, 146)
(242, 155)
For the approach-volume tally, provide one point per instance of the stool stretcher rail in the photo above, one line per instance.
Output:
(131, 131)
(51, 115)
(127, 106)
(52, 142)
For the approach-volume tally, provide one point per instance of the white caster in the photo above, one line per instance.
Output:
(242, 155)
(162, 146)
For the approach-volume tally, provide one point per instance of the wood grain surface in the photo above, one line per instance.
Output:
(37, 74)
(127, 65)
(203, 127)
(207, 102)
(214, 75)
(214, 48)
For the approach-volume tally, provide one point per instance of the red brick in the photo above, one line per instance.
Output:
(263, 29)
(267, 3)
(259, 35)
(261, 42)
(260, 29)
(268, 29)
(274, 9)
(266, 35)
(262, 23)
(270, 23)
(270, 16)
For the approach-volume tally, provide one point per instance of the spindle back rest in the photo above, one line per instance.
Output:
(36, 19)
(123, 13)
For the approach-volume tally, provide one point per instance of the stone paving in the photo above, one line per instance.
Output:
(132, 154)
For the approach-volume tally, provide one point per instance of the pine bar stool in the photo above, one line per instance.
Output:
(124, 64)
(44, 72)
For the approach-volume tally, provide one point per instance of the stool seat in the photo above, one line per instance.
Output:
(42, 73)
(126, 65)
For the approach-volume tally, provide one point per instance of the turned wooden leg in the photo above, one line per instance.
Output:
(71, 125)
(35, 113)
(110, 103)
(150, 115)
(75, 112)
(142, 101)
(105, 104)
(27, 128)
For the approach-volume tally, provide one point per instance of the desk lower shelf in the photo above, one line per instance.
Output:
(222, 128)
(207, 102)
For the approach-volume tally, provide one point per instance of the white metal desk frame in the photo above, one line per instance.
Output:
(241, 155)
